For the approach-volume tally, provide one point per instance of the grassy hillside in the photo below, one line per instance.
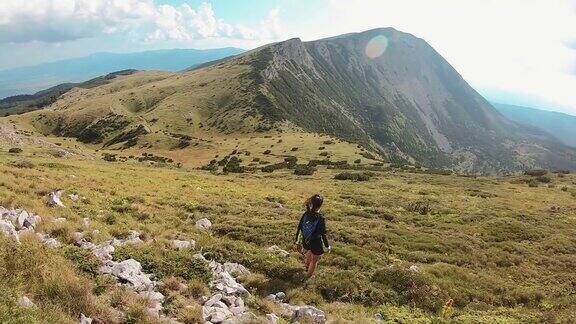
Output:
(560, 125)
(408, 105)
(501, 248)
(26, 103)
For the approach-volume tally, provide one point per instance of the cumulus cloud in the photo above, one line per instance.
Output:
(64, 20)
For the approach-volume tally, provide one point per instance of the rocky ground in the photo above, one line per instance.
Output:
(225, 304)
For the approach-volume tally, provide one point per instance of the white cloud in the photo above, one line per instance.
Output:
(64, 20)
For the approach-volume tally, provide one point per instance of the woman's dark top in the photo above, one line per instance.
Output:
(318, 236)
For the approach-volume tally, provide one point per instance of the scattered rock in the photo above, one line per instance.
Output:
(236, 269)
(308, 314)
(129, 272)
(272, 318)
(274, 249)
(8, 229)
(215, 314)
(86, 222)
(414, 268)
(213, 300)
(60, 220)
(203, 224)
(104, 251)
(155, 300)
(280, 296)
(74, 197)
(85, 320)
(48, 241)
(183, 245)
(25, 302)
(55, 199)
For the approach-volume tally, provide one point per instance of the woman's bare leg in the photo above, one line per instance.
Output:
(307, 259)
(313, 264)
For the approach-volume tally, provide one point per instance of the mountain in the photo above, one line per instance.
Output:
(408, 103)
(562, 126)
(25, 80)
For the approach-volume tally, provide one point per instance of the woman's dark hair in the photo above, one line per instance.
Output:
(314, 203)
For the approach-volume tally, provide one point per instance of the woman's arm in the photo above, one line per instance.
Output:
(323, 232)
(298, 229)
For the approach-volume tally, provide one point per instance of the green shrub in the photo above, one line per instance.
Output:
(164, 263)
(84, 260)
(544, 179)
(354, 176)
(423, 207)
(22, 164)
(303, 169)
(410, 287)
(535, 172)
(15, 150)
(109, 157)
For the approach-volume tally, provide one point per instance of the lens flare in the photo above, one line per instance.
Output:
(376, 46)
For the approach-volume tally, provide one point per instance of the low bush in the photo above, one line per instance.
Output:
(15, 150)
(303, 169)
(165, 263)
(22, 164)
(423, 207)
(535, 172)
(354, 176)
(84, 260)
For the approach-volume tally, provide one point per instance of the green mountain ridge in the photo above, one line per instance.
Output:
(559, 125)
(409, 104)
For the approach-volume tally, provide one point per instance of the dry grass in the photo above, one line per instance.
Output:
(507, 256)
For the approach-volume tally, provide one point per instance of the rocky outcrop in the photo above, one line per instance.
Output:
(129, 272)
(14, 222)
(306, 313)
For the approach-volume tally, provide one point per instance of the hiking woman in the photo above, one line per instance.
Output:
(313, 228)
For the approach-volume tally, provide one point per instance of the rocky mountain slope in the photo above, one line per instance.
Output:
(409, 102)
(384, 89)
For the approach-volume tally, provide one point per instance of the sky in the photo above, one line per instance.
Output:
(512, 51)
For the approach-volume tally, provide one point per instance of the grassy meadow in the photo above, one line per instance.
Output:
(501, 249)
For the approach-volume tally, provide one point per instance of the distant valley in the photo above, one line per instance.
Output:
(562, 126)
(30, 79)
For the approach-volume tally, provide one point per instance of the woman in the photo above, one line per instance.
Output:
(313, 228)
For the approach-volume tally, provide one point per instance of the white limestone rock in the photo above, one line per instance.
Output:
(183, 245)
(8, 229)
(274, 249)
(55, 199)
(203, 224)
(129, 272)
(25, 302)
(85, 320)
(272, 318)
